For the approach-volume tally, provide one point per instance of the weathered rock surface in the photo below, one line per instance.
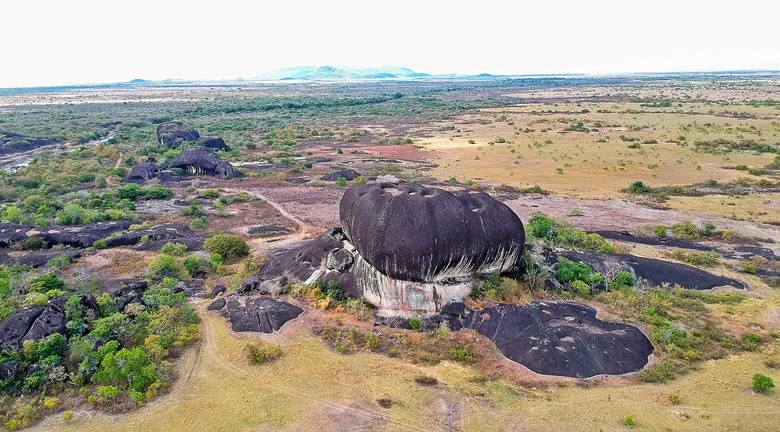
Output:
(259, 314)
(217, 304)
(172, 134)
(347, 174)
(143, 172)
(127, 290)
(203, 161)
(654, 271)
(217, 290)
(214, 143)
(426, 234)
(33, 323)
(37, 258)
(81, 236)
(12, 142)
(562, 338)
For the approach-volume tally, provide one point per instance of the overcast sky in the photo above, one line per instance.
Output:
(74, 41)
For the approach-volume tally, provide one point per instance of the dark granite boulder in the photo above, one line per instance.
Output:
(172, 134)
(12, 142)
(50, 321)
(347, 174)
(654, 271)
(214, 143)
(17, 324)
(260, 314)
(8, 369)
(562, 338)
(203, 161)
(426, 234)
(217, 304)
(143, 172)
(126, 290)
(217, 290)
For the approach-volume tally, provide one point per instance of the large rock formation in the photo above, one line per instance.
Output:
(172, 134)
(32, 322)
(406, 248)
(143, 172)
(213, 143)
(203, 161)
(562, 338)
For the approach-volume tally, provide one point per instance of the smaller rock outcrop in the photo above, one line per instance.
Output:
(143, 172)
(347, 174)
(562, 338)
(213, 143)
(202, 161)
(259, 314)
(32, 323)
(172, 134)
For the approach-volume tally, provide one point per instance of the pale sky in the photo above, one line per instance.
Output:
(75, 41)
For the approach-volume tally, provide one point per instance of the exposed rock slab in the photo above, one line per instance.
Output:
(347, 174)
(259, 314)
(33, 323)
(655, 271)
(562, 338)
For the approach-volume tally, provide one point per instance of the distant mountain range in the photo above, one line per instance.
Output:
(339, 73)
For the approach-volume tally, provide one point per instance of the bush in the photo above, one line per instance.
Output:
(415, 323)
(195, 265)
(175, 249)
(263, 352)
(703, 259)
(624, 279)
(230, 247)
(568, 271)
(629, 421)
(162, 266)
(638, 187)
(209, 193)
(159, 192)
(685, 230)
(107, 392)
(462, 354)
(67, 416)
(580, 287)
(762, 383)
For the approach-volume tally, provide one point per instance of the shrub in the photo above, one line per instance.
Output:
(228, 246)
(673, 398)
(462, 354)
(580, 287)
(100, 244)
(175, 249)
(67, 416)
(703, 259)
(50, 402)
(195, 265)
(209, 193)
(341, 181)
(198, 224)
(762, 383)
(415, 323)
(629, 421)
(159, 192)
(540, 225)
(107, 392)
(624, 279)
(46, 283)
(162, 266)
(568, 271)
(638, 187)
(263, 352)
(685, 230)
(359, 180)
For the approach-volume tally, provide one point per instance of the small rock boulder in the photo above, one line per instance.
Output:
(202, 161)
(217, 290)
(172, 134)
(347, 174)
(217, 304)
(143, 172)
(213, 143)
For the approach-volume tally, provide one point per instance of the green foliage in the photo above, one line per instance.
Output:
(107, 392)
(702, 259)
(629, 421)
(46, 283)
(543, 227)
(462, 354)
(415, 323)
(263, 352)
(175, 249)
(580, 287)
(569, 271)
(126, 367)
(162, 266)
(762, 383)
(624, 279)
(638, 187)
(228, 246)
(195, 265)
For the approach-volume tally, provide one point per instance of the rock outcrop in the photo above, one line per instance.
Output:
(203, 161)
(143, 172)
(562, 338)
(259, 314)
(172, 134)
(653, 271)
(213, 143)
(405, 248)
(32, 323)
